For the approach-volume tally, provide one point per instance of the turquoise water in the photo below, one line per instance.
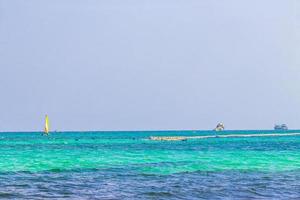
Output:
(126, 165)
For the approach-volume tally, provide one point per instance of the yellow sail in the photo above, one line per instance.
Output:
(46, 130)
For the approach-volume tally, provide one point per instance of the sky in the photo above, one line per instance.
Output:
(149, 64)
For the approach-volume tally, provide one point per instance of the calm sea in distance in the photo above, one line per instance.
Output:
(127, 165)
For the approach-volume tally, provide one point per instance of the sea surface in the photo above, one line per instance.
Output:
(126, 165)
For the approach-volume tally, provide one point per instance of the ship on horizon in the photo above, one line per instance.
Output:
(219, 127)
(281, 127)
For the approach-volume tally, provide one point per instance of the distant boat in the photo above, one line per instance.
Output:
(46, 129)
(281, 127)
(219, 127)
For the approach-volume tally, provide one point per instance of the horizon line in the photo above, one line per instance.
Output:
(160, 130)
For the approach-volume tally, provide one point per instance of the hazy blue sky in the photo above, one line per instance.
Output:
(149, 64)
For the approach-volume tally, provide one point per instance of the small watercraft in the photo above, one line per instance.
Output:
(281, 127)
(46, 129)
(219, 127)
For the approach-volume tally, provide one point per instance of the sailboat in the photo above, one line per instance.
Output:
(46, 129)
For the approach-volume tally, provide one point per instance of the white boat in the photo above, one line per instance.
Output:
(219, 127)
(281, 127)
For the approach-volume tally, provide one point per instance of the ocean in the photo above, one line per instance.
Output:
(126, 165)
